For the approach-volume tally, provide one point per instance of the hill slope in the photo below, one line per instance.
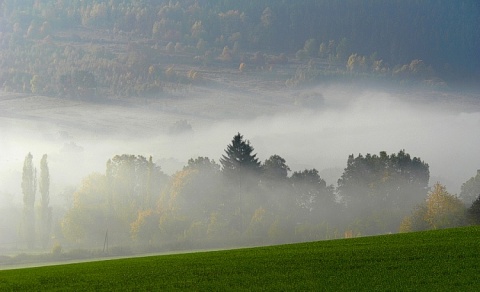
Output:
(438, 260)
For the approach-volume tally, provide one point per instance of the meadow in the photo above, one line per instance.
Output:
(435, 260)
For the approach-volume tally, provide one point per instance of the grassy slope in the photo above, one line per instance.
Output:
(437, 260)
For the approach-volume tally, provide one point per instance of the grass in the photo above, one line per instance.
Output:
(434, 260)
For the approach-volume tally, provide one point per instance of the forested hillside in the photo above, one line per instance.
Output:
(124, 48)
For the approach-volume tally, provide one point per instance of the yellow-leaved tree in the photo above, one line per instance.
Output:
(443, 209)
(118, 204)
(86, 222)
(145, 227)
(440, 210)
(191, 200)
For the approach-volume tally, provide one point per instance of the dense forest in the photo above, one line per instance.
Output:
(130, 48)
(243, 201)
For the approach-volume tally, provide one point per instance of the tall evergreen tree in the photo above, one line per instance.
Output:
(239, 159)
(45, 210)
(29, 187)
(241, 169)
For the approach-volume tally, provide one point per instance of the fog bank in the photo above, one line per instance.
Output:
(80, 139)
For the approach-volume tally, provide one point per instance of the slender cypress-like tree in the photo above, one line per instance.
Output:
(45, 210)
(29, 186)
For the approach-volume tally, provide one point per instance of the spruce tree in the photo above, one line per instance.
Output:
(239, 159)
(241, 168)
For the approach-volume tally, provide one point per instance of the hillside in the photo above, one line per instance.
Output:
(434, 260)
(96, 49)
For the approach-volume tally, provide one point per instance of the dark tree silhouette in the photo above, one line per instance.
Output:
(389, 186)
(310, 190)
(241, 169)
(239, 159)
(474, 211)
(470, 189)
(203, 164)
(275, 168)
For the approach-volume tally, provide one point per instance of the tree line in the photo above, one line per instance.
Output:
(243, 200)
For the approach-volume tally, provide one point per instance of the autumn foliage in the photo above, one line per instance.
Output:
(440, 210)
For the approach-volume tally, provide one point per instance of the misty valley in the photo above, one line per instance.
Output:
(130, 205)
(136, 127)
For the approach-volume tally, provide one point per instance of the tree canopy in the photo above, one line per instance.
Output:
(474, 212)
(470, 190)
(247, 201)
(393, 182)
(275, 168)
(112, 201)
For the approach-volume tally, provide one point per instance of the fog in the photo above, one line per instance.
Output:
(79, 137)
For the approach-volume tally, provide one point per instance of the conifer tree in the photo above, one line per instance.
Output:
(241, 168)
(239, 159)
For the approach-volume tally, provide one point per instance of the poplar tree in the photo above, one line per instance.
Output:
(45, 210)
(29, 186)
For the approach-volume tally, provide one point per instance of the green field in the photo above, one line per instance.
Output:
(434, 260)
